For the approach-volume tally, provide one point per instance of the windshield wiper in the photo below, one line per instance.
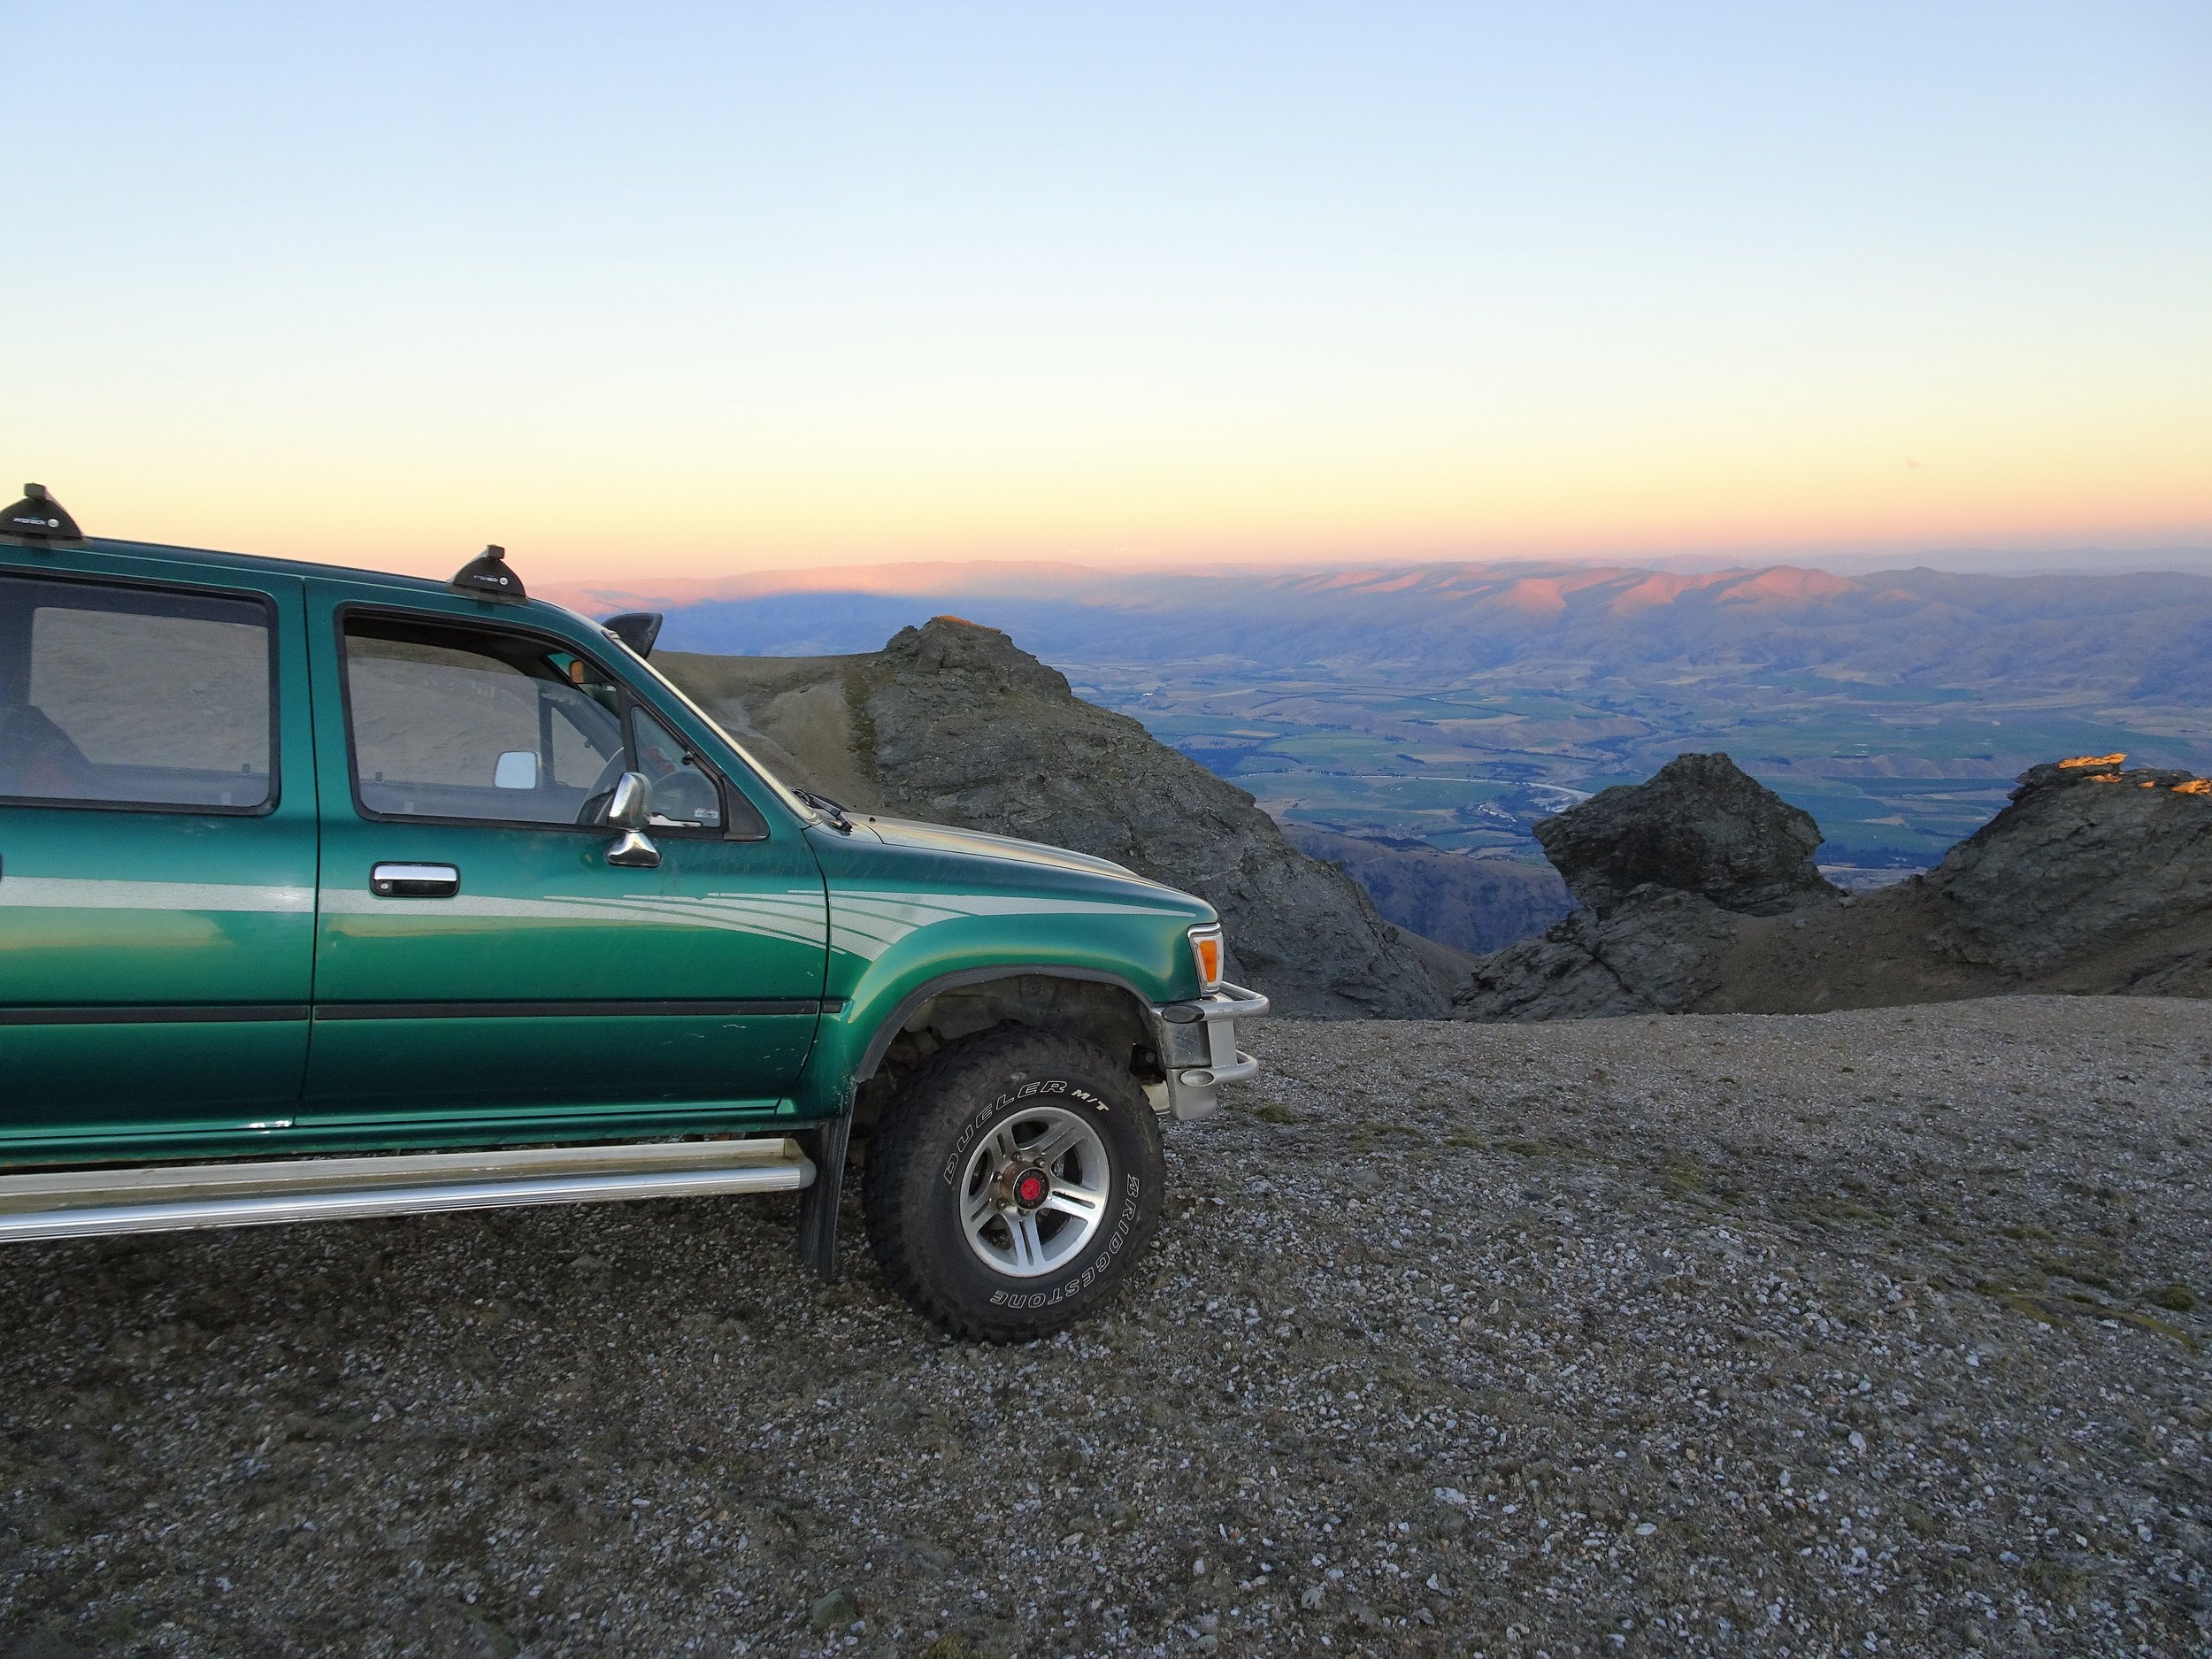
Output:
(828, 808)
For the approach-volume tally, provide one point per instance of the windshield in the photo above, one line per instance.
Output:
(784, 792)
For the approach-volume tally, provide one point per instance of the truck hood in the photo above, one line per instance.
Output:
(943, 838)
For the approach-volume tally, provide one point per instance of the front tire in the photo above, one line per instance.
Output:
(1013, 1184)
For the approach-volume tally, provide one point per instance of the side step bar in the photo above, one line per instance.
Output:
(90, 1203)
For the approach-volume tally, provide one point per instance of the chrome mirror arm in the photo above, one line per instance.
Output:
(630, 808)
(634, 850)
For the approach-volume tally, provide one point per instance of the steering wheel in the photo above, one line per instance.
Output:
(685, 796)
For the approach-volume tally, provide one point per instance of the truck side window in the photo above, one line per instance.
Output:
(454, 722)
(124, 696)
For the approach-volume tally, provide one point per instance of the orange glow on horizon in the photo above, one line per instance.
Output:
(674, 514)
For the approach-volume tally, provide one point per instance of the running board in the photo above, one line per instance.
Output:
(91, 1203)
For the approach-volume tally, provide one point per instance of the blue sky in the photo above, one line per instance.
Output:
(846, 283)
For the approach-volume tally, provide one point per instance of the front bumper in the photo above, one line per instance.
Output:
(1198, 1052)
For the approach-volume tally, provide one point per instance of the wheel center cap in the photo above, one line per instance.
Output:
(1028, 1187)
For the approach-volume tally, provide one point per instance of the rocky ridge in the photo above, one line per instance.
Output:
(1701, 895)
(2087, 851)
(953, 723)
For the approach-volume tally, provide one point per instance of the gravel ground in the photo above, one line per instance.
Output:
(1813, 1334)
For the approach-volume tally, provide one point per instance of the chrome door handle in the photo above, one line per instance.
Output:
(415, 881)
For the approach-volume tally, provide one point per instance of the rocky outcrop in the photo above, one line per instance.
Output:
(2086, 852)
(1662, 868)
(953, 723)
(1472, 903)
(2094, 879)
(1699, 825)
(1657, 952)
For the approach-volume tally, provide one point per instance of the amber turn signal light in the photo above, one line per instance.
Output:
(1205, 946)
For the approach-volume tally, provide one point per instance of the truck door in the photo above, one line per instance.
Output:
(476, 953)
(156, 852)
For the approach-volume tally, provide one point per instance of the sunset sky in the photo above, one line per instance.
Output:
(669, 289)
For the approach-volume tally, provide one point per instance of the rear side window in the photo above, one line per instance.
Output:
(123, 696)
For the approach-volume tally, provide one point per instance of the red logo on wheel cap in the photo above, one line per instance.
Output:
(1031, 1188)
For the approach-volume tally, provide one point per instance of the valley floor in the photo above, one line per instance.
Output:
(1872, 1332)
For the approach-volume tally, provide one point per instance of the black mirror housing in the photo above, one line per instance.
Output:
(637, 629)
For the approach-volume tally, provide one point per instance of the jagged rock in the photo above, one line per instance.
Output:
(965, 727)
(2085, 854)
(953, 723)
(1662, 868)
(1659, 951)
(1699, 825)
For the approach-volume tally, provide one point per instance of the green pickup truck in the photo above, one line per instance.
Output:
(329, 893)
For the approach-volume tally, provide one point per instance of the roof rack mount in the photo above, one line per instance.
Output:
(38, 517)
(487, 576)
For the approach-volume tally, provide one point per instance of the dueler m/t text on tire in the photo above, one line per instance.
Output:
(1013, 1184)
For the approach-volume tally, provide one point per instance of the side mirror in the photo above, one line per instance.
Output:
(630, 808)
(637, 629)
(516, 769)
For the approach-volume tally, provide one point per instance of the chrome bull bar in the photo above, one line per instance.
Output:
(1198, 1050)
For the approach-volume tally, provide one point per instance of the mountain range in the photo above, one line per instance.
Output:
(1454, 704)
(2139, 633)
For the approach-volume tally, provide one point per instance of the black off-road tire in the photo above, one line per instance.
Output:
(912, 1196)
